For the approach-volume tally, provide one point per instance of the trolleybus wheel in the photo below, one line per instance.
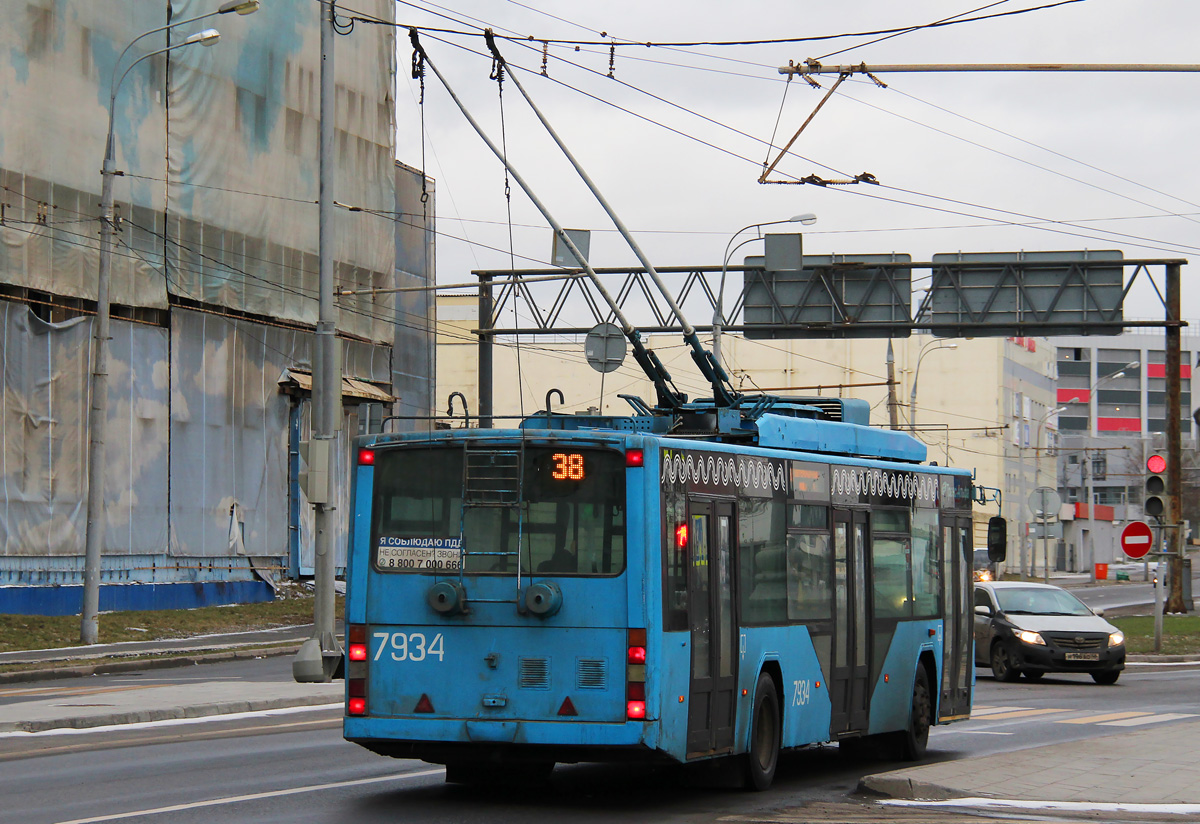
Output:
(763, 757)
(915, 740)
(1002, 664)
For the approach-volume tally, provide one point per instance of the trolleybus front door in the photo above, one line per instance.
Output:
(958, 617)
(711, 618)
(848, 684)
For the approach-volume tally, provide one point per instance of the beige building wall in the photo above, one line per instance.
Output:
(979, 401)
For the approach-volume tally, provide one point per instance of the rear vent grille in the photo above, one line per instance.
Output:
(591, 674)
(533, 673)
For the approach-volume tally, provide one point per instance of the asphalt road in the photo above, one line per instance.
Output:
(296, 768)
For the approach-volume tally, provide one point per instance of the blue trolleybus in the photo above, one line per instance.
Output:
(710, 584)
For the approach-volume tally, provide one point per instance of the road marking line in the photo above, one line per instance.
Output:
(1099, 719)
(21, 693)
(1154, 719)
(1023, 713)
(985, 711)
(216, 802)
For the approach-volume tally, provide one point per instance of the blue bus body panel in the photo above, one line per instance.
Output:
(891, 698)
(804, 693)
(497, 673)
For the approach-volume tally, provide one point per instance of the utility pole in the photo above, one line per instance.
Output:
(319, 655)
(1174, 520)
(893, 411)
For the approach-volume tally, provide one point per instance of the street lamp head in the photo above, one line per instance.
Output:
(208, 37)
(239, 7)
(807, 219)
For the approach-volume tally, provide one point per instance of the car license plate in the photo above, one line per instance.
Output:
(1083, 656)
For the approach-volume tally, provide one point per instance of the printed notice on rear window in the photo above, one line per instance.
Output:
(418, 554)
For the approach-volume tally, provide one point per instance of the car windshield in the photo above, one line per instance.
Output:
(1040, 601)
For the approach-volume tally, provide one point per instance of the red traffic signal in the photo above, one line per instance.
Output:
(1155, 504)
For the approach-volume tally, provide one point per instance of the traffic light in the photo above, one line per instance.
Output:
(1155, 503)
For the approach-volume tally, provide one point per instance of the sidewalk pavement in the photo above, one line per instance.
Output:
(1156, 765)
(79, 705)
(1152, 765)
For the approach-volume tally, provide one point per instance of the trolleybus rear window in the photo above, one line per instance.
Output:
(565, 507)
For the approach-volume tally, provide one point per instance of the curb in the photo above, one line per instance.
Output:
(166, 661)
(174, 713)
(888, 786)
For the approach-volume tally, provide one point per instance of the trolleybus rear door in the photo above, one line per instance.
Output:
(848, 685)
(958, 617)
(711, 618)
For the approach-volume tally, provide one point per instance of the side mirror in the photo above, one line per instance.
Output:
(983, 609)
(1098, 612)
(997, 539)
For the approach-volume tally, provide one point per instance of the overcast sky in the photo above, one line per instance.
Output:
(1076, 161)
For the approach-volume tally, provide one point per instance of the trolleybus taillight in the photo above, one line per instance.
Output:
(366, 457)
(356, 669)
(635, 676)
(635, 457)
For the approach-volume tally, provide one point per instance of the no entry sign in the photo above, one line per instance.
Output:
(1136, 539)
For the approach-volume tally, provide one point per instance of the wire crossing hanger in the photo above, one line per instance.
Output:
(669, 398)
(723, 392)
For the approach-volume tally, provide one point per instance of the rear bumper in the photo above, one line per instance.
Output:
(447, 740)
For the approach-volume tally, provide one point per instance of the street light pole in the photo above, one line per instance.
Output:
(1091, 475)
(1037, 470)
(806, 219)
(912, 395)
(98, 411)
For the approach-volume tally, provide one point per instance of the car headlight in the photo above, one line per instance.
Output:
(1030, 637)
(1115, 639)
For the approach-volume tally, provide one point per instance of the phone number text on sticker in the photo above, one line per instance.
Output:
(418, 554)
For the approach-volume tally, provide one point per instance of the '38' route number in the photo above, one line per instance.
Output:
(408, 646)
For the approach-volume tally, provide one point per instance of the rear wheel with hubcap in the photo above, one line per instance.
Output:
(913, 742)
(763, 757)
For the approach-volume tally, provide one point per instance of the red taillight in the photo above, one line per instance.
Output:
(366, 457)
(635, 674)
(356, 706)
(635, 457)
(358, 652)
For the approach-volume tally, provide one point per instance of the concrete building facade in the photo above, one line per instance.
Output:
(213, 289)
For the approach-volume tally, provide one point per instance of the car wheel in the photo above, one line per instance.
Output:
(1033, 675)
(915, 740)
(1106, 677)
(1002, 664)
(763, 757)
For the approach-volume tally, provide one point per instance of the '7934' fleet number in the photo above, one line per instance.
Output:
(409, 646)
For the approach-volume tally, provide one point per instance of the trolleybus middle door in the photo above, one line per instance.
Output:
(958, 617)
(711, 619)
(848, 687)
